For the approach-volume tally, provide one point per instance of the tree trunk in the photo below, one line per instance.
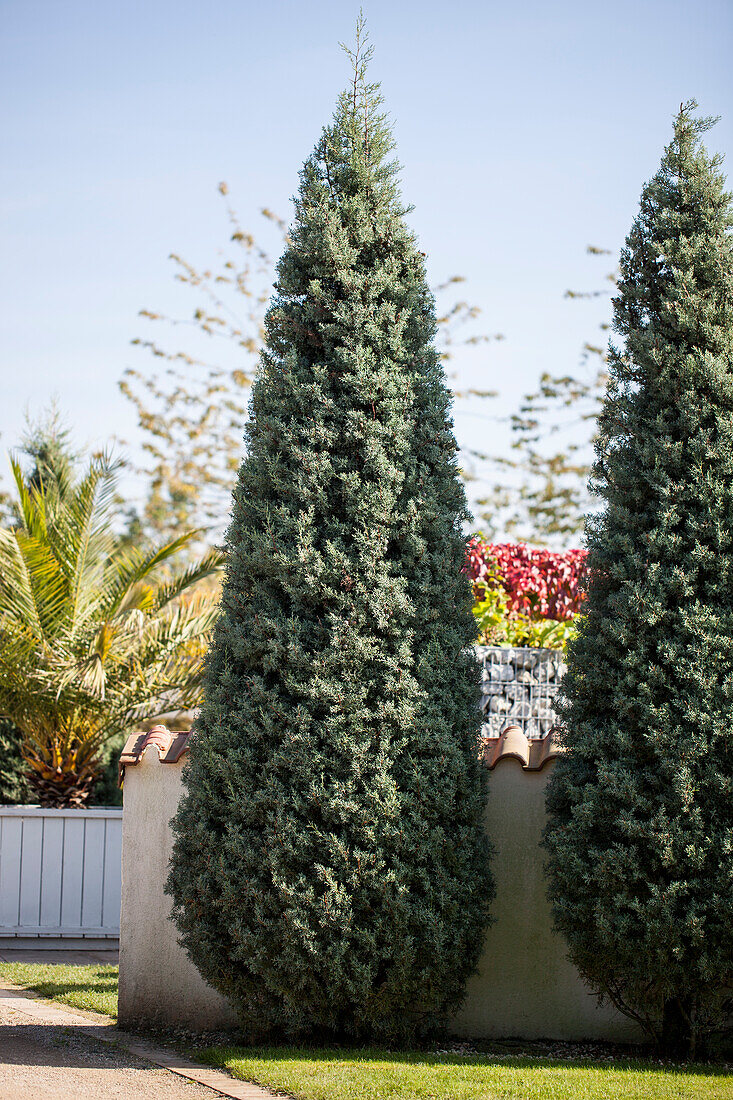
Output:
(678, 1035)
(62, 791)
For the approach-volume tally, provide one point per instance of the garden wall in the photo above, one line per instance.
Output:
(525, 986)
(158, 982)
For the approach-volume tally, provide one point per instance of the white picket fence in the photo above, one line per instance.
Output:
(60, 874)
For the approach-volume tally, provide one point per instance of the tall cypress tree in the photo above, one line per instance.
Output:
(330, 871)
(640, 836)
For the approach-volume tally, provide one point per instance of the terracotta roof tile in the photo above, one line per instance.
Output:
(532, 753)
(170, 746)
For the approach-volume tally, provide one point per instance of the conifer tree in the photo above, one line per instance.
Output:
(640, 835)
(330, 872)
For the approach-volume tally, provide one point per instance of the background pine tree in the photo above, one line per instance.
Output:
(330, 871)
(640, 836)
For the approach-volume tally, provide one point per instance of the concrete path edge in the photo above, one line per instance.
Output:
(100, 1027)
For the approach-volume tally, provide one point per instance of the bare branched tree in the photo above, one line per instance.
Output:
(552, 447)
(191, 412)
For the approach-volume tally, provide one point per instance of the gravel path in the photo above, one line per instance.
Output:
(45, 1060)
(50, 1052)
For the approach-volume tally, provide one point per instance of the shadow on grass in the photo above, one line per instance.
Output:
(90, 987)
(104, 980)
(512, 1053)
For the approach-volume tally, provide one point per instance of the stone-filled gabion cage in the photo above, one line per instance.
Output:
(519, 688)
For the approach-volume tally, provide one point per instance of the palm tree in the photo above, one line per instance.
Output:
(96, 635)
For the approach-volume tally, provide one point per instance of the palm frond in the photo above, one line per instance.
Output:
(128, 568)
(30, 502)
(25, 579)
(166, 664)
(212, 563)
(91, 635)
(83, 538)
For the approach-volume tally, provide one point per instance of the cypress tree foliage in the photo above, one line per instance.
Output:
(640, 834)
(330, 873)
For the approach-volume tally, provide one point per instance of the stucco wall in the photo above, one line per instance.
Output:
(525, 986)
(157, 979)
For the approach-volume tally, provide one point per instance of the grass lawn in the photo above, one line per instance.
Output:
(317, 1074)
(377, 1075)
(90, 987)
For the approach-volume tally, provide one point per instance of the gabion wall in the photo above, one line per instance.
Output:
(519, 688)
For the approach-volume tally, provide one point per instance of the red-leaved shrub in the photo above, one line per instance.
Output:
(539, 583)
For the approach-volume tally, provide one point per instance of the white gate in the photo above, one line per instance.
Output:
(60, 873)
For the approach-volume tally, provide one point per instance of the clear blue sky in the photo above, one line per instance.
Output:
(526, 131)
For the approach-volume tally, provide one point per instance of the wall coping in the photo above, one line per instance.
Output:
(512, 744)
(170, 746)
